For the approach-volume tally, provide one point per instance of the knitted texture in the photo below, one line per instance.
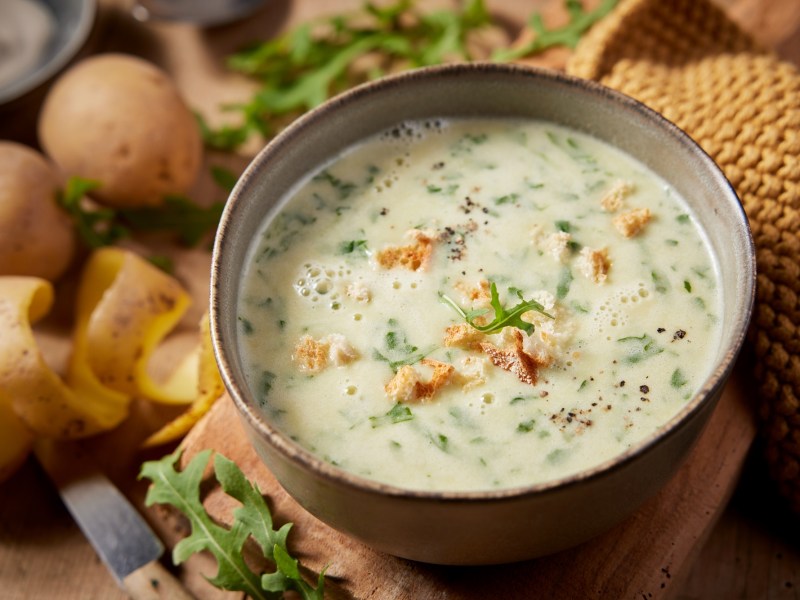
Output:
(688, 61)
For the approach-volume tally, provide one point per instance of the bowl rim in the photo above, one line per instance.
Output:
(321, 469)
(44, 71)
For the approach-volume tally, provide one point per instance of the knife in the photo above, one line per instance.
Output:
(119, 534)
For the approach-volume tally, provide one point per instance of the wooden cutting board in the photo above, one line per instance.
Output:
(644, 557)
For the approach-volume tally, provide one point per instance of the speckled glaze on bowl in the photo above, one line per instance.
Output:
(511, 524)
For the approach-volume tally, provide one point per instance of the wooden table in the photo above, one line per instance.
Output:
(701, 550)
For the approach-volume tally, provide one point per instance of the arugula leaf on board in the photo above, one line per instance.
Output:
(252, 519)
(502, 317)
(303, 67)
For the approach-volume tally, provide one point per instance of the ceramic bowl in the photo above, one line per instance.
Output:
(509, 524)
(72, 22)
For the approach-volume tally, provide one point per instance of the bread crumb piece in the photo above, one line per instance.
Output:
(407, 385)
(310, 355)
(480, 293)
(313, 356)
(403, 386)
(413, 257)
(514, 360)
(632, 222)
(614, 198)
(472, 373)
(464, 336)
(557, 245)
(594, 264)
(340, 352)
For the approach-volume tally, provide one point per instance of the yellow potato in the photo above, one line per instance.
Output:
(36, 237)
(120, 120)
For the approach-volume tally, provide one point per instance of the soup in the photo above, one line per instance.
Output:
(477, 304)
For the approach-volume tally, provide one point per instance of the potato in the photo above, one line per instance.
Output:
(120, 120)
(36, 237)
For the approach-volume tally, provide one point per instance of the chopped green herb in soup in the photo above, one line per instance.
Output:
(477, 304)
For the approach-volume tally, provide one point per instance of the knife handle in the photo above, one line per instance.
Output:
(153, 582)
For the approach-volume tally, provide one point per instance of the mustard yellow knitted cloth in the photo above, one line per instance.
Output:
(688, 61)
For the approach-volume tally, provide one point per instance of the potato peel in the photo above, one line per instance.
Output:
(38, 396)
(209, 388)
(126, 307)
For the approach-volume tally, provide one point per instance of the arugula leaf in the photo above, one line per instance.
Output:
(178, 214)
(98, 226)
(252, 519)
(507, 199)
(660, 282)
(440, 441)
(225, 137)
(101, 226)
(163, 262)
(301, 68)
(678, 379)
(564, 226)
(343, 188)
(394, 365)
(565, 280)
(224, 178)
(639, 348)
(298, 70)
(399, 413)
(502, 317)
(398, 351)
(580, 20)
(358, 247)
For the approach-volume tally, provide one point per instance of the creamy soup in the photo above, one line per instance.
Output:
(477, 304)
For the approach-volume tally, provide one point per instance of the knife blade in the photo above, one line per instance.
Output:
(116, 530)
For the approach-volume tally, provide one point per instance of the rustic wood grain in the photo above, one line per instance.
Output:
(43, 555)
